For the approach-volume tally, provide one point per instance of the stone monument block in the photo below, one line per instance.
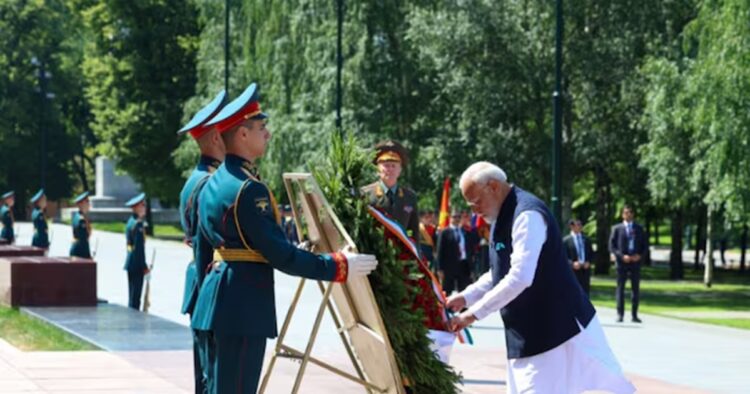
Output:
(47, 281)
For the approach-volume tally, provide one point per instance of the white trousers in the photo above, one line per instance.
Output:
(442, 343)
(584, 362)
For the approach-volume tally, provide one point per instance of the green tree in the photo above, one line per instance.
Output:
(606, 43)
(140, 69)
(666, 155)
(716, 83)
(37, 87)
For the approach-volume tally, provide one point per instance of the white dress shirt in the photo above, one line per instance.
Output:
(584, 362)
(580, 246)
(461, 242)
(529, 234)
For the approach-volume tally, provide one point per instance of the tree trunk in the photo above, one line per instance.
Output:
(708, 275)
(149, 217)
(601, 182)
(675, 256)
(698, 238)
(80, 169)
(656, 231)
(743, 247)
(647, 235)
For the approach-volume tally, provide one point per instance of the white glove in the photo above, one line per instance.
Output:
(360, 264)
(306, 246)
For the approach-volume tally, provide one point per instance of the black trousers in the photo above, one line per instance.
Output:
(200, 376)
(238, 363)
(584, 278)
(135, 289)
(632, 270)
(457, 277)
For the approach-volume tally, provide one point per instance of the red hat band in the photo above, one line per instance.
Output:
(251, 110)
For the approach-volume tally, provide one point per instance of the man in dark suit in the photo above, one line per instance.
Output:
(580, 253)
(628, 244)
(453, 256)
(290, 227)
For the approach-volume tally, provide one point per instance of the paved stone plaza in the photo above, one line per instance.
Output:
(661, 355)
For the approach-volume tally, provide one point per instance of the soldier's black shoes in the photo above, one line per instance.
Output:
(619, 319)
(636, 319)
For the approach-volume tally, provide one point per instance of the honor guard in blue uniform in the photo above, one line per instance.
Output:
(81, 228)
(239, 217)
(39, 219)
(135, 261)
(212, 154)
(6, 213)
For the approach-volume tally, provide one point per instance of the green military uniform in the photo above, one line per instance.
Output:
(135, 260)
(202, 250)
(399, 202)
(81, 231)
(6, 214)
(38, 218)
(238, 216)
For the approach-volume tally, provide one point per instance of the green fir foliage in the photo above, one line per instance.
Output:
(346, 168)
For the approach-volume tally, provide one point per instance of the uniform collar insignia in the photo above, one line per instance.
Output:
(251, 168)
(378, 190)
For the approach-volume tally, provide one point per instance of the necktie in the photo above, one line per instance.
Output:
(579, 246)
(461, 244)
(631, 239)
(389, 194)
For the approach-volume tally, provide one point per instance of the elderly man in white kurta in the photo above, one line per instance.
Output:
(554, 341)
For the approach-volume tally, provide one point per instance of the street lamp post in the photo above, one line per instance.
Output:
(43, 76)
(557, 132)
(339, 60)
(226, 46)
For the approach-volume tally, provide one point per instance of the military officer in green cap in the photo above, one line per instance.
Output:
(39, 220)
(239, 217)
(398, 201)
(212, 154)
(135, 261)
(6, 213)
(81, 228)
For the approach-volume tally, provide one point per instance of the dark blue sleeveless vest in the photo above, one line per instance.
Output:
(544, 315)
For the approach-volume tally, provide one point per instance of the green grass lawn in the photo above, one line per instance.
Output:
(29, 334)
(160, 230)
(660, 296)
(665, 235)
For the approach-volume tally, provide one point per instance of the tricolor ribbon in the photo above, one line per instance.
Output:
(396, 229)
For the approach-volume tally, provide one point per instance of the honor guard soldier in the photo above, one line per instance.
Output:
(6, 212)
(135, 261)
(398, 201)
(81, 228)
(212, 154)
(239, 217)
(38, 218)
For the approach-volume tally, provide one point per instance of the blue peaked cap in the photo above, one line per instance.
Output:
(37, 196)
(81, 197)
(136, 200)
(245, 106)
(206, 113)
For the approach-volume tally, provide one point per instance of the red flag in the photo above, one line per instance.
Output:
(445, 209)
